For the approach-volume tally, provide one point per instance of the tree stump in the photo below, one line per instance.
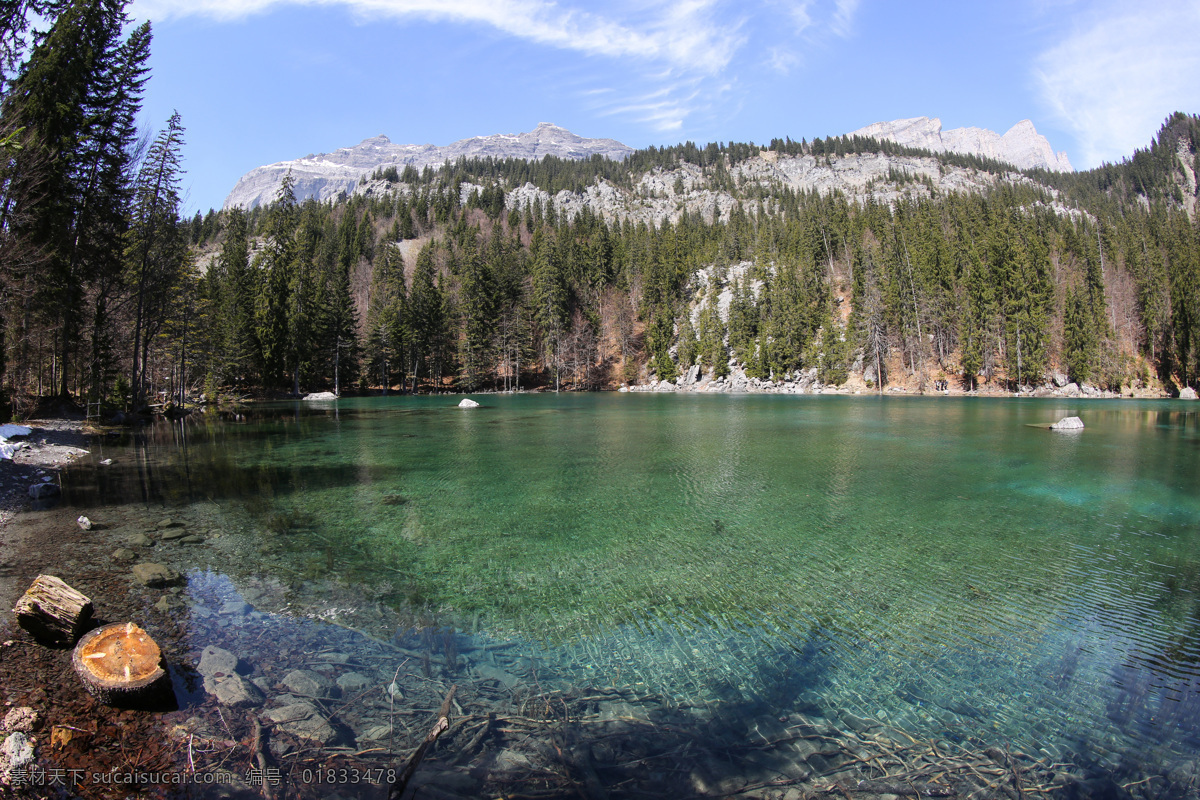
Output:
(120, 665)
(53, 611)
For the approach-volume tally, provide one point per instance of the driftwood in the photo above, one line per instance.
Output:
(53, 611)
(439, 727)
(120, 665)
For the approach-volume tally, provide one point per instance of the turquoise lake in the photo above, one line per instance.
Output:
(937, 563)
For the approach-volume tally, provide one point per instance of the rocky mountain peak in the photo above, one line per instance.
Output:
(326, 175)
(1021, 145)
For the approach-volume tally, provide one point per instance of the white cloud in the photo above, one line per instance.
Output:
(843, 17)
(684, 35)
(1116, 78)
(682, 53)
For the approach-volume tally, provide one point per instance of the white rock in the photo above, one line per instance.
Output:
(1068, 424)
(325, 175)
(84, 523)
(1022, 145)
(320, 396)
(106, 462)
(1187, 393)
(468, 403)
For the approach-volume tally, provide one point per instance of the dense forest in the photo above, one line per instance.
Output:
(445, 280)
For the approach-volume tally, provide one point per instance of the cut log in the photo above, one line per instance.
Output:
(52, 611)
(121, 665)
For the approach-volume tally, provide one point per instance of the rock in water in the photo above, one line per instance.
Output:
(42, 491)
(120, 664)
(156, 575)
(320, 396)
(53, 611)
(1068, 424)
(468, 403)
(1187, 393)
(84, 523)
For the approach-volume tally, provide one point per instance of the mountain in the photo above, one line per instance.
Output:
(1021, 146)
(326, 175)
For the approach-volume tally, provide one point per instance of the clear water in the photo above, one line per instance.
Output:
(938, 564)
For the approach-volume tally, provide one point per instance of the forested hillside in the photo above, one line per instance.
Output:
(896, 267)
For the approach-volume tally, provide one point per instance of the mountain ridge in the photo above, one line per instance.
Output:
(326, 175)
(1021, 145)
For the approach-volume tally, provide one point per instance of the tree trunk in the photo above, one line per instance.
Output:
(52, 611)
(120, 664)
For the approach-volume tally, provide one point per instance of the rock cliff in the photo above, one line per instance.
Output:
(1021, 146)
(326, 175)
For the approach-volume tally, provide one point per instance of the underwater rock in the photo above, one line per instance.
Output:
(468, 403)
(307, 682)
(156, 575)
(234, 691)
(42, 491)
(1068, 424)
(217, 661)
(84, 523)
(302, 720)
(353, 682)
(140, 540)
(172, 534)
(235, 608)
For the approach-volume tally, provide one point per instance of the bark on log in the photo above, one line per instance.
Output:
(52, 611)
(443, 722)
(121, 665)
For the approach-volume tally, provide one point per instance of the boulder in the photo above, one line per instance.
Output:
(171, 534)
(468, 403)
(156, 575)
(1068, 424)
(1187, 393)
(1071, 390)
(140, 540)
(84, 523)
(320, 396)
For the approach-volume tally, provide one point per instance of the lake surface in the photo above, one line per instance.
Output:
(936, 564)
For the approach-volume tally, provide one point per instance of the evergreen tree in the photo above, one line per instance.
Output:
(155, 250)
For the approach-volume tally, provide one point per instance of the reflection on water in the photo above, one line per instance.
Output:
(935, 564)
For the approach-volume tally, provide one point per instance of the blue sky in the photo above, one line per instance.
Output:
(260, 81)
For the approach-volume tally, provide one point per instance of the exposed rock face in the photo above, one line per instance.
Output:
(325, 175)
(1022, 145)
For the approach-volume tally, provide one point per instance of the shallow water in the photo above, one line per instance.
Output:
(936, 564)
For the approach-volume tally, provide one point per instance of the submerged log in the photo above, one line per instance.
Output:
(120, 665)
(53, 611)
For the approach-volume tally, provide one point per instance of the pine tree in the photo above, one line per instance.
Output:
(154, 252)
(477, 305)
(386, 316)
(66, 192)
